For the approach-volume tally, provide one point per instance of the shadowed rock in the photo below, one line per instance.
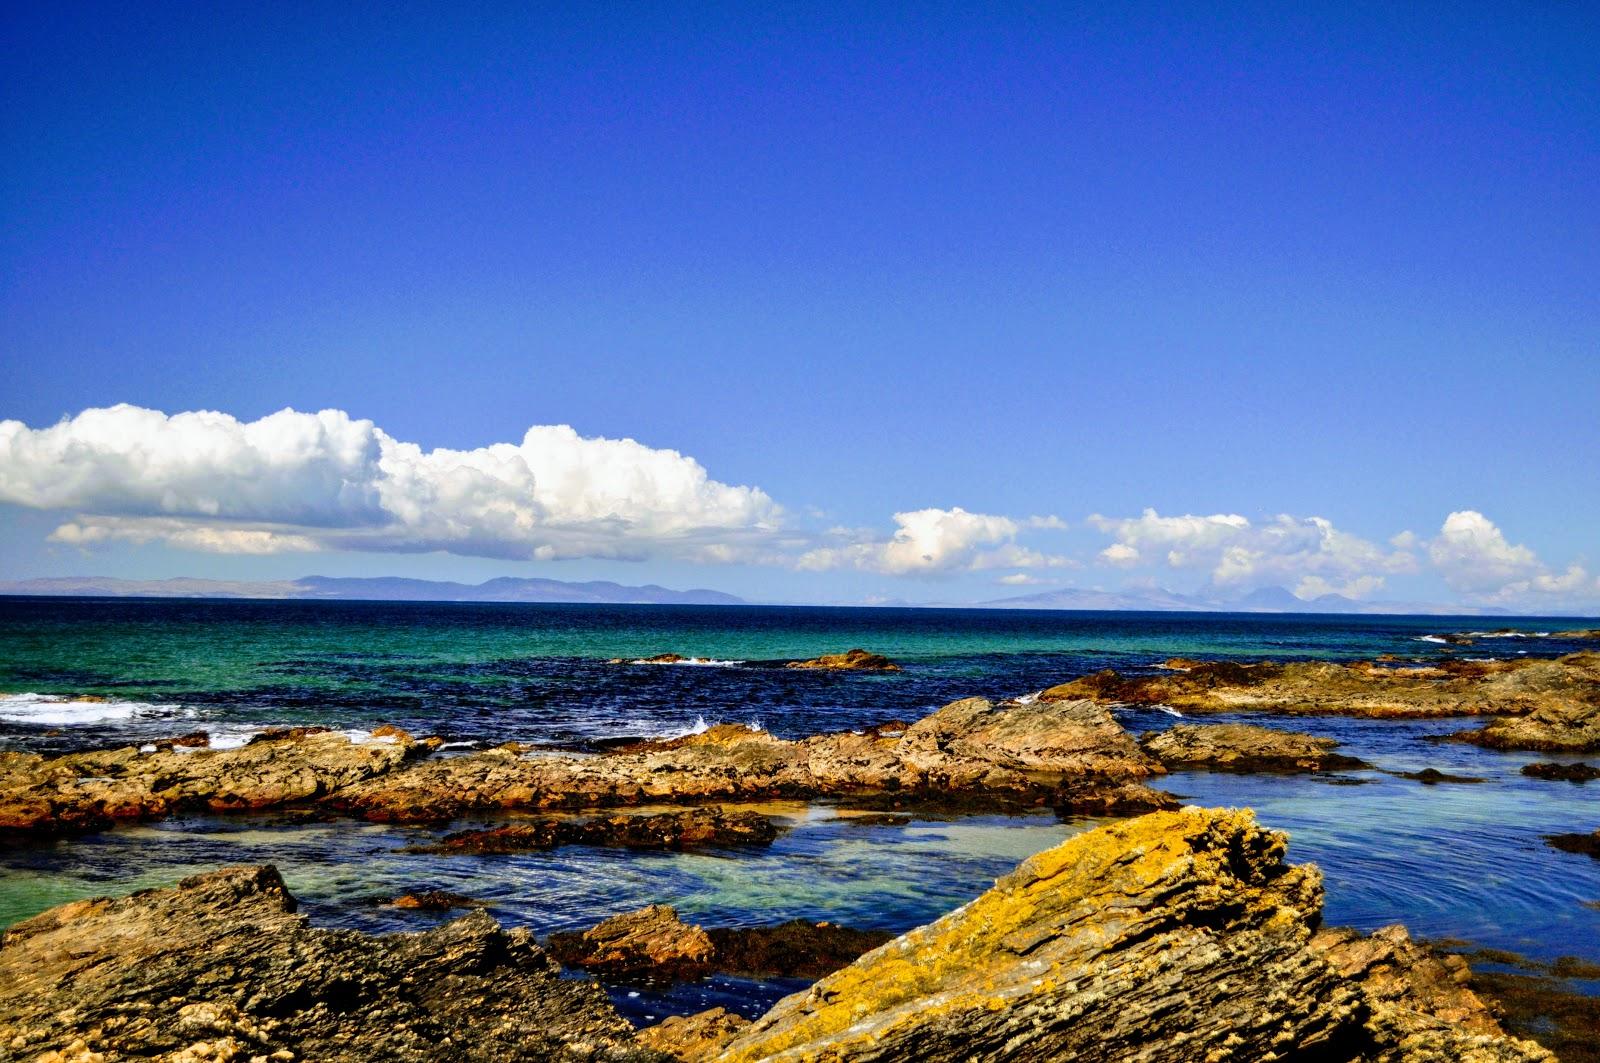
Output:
(1171, 938)
(1562, 772)
(1433, 777)
(434, 901)
(220, 968)
(682, 829)
(1243, 747)
(693, 1037)
(1587, 844)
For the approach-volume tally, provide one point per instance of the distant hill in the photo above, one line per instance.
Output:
(381, 588)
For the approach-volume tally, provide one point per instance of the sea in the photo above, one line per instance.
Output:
(1463, 863)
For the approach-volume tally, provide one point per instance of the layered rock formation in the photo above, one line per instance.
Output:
(972, 749)
(1245, 748)
(220, 968)
(654, 942)
(1069, 754)
(1174, 937)
(96, 789)
(689, 828)
(1560, 698)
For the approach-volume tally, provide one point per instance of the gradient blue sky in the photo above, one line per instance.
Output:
(1334, 262)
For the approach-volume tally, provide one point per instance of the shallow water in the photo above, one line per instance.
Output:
(1450, 860)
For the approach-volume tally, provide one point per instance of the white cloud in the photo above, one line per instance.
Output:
(1019, 579)
(293, 481)
(930, 541)
(1474, 557)
(1306, 553)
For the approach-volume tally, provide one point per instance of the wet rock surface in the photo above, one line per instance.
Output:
(221, 968)
(434, 901)
(680, 829)
(694, 1037)
(1560, 697)
(1562, 772)
(1245, 747)
(1433, 777)
(1173, 937)
(1587, 844)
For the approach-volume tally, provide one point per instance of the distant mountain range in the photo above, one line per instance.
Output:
(381, 589)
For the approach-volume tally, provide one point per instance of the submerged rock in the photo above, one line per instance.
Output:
(1244, 747)
(796, 949)
(1587, 844)
(849, 661)
(1433, 777)
(682, 829)
(1578, 773)
(434, 901)
(1563, 693)
(220, 967)
(1175, 937)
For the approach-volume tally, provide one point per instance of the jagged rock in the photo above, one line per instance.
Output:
(1175, 937)
(974, 750)
(1562, 695)
(1244, 747)
(693, 1037)
(849, 661)
(219, 967)
(1578, 773)
(682, 829)
(1588, 844)
(96, 789)
(650, 941)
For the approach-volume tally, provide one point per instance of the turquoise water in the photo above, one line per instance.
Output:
(1457, 861)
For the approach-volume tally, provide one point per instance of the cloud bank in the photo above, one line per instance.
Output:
(935, 541)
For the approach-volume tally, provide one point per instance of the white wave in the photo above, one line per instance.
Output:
(1440, 639)
(229, 739)
(694, 662)
(1170, 711)
(57, 711)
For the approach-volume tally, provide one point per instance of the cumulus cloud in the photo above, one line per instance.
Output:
(1308, 554)
(933, 541)
(296, 481)
(1473, 556)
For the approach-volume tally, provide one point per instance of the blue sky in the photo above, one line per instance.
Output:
(1334, 263)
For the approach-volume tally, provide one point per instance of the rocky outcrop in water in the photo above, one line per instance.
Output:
(1579, 773)
(1072, 754)
(689, 828)
(90, 790)
(1244, 747)
(1558, 701)
(221, 968)
(1069, 755)
(1587, 844)
(655, 942)
(1174, 937)
(849, 661)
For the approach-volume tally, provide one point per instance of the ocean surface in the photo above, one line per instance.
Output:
(1457, 861)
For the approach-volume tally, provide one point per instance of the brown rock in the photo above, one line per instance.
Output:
(1243, 747)
(1587, 844)
(693, 1037)
(434, 901)
(1433, 776)
(651, 941)
(1578, 773)
(682, 829)
(1171, 938)
(220, 967)
(849, 661)
(796, 949)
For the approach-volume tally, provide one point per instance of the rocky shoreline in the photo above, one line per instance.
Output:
(1171, 937)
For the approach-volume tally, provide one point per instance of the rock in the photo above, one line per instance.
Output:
(1243, 747)
(652, 941)
(1175, 937)
(1578, 773)
(1567, 721)
(693, 1037)
(96, 789)
(1547, 1009)
(1588, 844)
(660, 658)
(1433, 776)
(796, 949)
(220, 967)
(684, 829)
(989, 756)
(1564, 694)
(849, 661)
(192, 740)
(434, 901)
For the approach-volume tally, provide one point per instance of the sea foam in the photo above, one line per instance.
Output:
(55, 710)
